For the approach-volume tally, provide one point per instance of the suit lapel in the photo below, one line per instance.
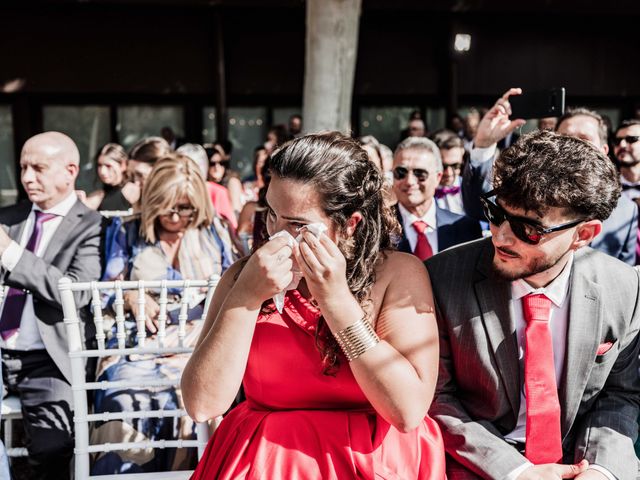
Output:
(17, 223)
(583, 336)
(64, 231)
(494, 296)
(403, 244)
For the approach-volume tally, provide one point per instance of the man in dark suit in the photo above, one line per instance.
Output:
(426, 228)
(51, 236)
(538, 353)
(618, 237)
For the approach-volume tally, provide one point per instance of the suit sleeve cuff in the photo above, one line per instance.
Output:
(516, 473)
(11, 256)
(602, 470)
(480, 155)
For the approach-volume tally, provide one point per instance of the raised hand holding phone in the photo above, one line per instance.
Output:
(496, 123)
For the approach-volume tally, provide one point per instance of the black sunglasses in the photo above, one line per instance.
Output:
(629, 139)
(399, 173)
(524, 229)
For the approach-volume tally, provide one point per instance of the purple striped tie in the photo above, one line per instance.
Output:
(15, 300)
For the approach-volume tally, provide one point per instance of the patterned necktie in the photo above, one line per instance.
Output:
(16, 298)
(544, 440)
(423, 248)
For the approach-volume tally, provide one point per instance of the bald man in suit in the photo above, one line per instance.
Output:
(50, 236)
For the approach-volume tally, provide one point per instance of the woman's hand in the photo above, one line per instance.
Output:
(267, 272)
(151, 309)
(324, 269)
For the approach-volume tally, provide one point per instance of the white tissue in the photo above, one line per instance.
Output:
(316, 229)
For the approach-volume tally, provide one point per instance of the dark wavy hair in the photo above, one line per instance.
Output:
(347, 182)
(544, 169)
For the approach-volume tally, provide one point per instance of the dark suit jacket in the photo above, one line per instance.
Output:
(74, 252)
(452, 229)
(478, 392)
(618, 237)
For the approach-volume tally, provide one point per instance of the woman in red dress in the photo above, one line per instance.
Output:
(338, 385)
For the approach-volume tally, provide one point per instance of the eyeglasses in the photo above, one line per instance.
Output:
(524, 229)
(400, 173)
(455, 166)
(182, 211)
(629, 139)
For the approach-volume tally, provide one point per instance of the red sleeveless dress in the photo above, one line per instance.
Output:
(300, 424)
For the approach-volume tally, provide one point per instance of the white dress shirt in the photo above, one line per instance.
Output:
(28, 337)
(432, 228)
(558, 292)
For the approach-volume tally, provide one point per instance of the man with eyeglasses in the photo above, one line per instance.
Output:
(618, 236)
(426, 228)
(627, 153)
(538, 332)
(448, 194)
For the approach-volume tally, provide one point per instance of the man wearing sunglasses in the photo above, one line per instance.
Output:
(618, 236)
(426, 228)
(539, 332)
(449, 192)
(626, 149)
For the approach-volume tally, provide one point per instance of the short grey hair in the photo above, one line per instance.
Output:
(198, 154)
(421, 143)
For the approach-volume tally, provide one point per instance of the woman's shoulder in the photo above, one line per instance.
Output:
(400, 266)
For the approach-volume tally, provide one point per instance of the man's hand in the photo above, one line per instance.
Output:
(5, 240)
(496, 125)
(554, 471)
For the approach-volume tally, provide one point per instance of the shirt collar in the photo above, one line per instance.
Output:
(556, 291)
(429, 217)
(62, 208)
(624, 181)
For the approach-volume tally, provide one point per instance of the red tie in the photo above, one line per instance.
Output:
(423, 249)
(544, 440)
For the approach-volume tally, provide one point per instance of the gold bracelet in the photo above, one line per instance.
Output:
(356, 339)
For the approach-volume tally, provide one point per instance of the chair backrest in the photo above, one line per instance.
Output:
(116, 213)
(78, 353)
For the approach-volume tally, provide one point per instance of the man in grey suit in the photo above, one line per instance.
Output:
(619, 231)
(51, 236)
(539, 332)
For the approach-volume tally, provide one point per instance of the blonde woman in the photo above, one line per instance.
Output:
(176, 236)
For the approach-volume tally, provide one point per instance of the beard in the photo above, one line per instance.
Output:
(537, 265)
(628, 161)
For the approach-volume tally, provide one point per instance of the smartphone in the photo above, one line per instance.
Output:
(538, 104)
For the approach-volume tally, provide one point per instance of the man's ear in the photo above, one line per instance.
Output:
(352, 223)
(586, 232)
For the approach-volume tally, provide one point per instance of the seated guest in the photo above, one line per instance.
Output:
(338, 381)
(176, 237)
(539, 332)
(426, 228)
(117, 193)
(448, 194)
(220, 173)
(143, 155)
(219, 195)
(50, 236)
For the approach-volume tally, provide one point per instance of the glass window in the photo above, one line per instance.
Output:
(136, 122)
(88, 126)
(385, 123)
(247, 130)
(8, 181)
(209, 129)
(281, 115)
(436, 118)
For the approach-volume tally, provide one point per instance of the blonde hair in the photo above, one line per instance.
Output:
(150, 150)
(172, 177)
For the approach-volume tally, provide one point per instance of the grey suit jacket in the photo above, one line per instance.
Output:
(478, 392)
(74, 251)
